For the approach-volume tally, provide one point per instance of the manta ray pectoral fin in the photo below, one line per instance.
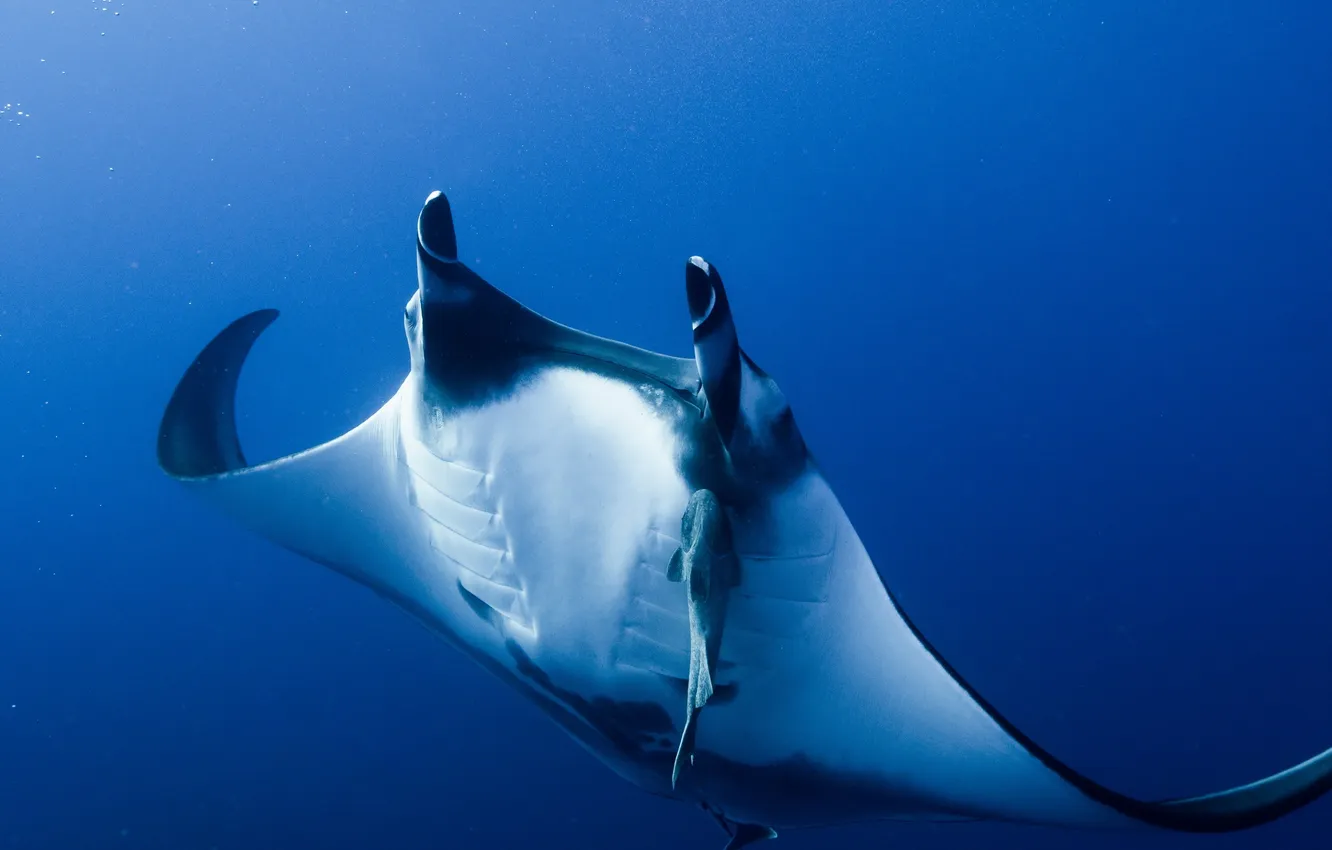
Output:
(338, 504)
(964, 760)
(707, 566)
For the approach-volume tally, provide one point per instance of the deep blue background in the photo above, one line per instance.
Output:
(1050, 286)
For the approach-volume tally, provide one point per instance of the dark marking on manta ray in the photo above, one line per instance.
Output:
(577, 727)
(469, 360)
(632, 728)
(629, 726)
(479, 343)
(723, 693)
(479, 607)
(809, 791)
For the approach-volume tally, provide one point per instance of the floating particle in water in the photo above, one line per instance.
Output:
(14, 113)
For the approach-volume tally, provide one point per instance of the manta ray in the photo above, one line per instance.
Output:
(644, 547)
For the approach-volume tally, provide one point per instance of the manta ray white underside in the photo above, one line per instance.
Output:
(642, 545)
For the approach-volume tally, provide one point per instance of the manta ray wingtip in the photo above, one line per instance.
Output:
(197, 435)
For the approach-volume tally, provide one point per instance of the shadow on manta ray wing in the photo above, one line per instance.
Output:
(589, 520)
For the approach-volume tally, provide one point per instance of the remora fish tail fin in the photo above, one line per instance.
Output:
(338, 503)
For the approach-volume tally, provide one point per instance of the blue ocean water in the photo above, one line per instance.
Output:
(1048, 285)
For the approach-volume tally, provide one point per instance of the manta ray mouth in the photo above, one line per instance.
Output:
(478, 342)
